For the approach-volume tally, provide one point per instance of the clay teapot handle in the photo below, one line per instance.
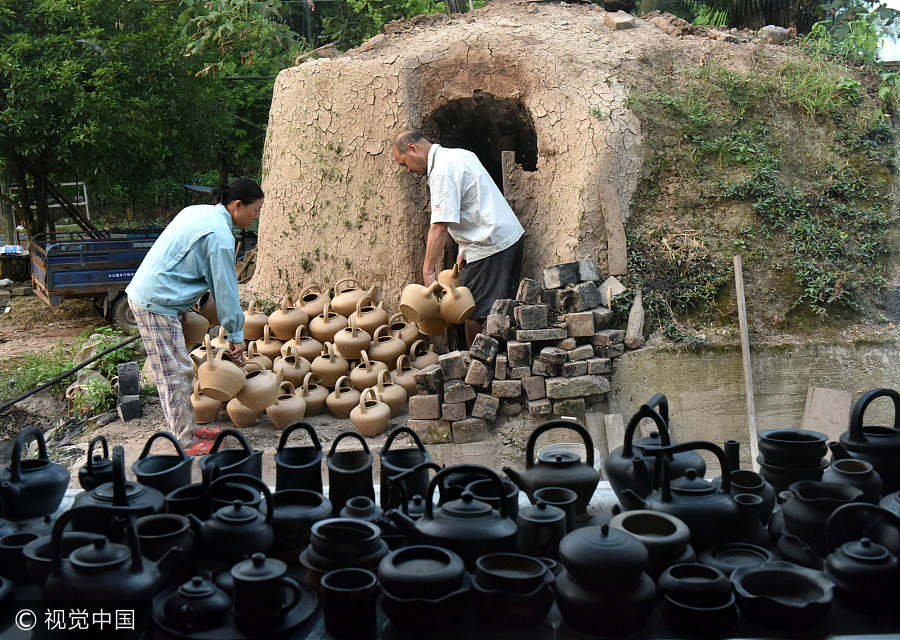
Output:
(337, 386)
(251, 349)
(400, 360)
(360, 305)
(859, 411)
(311, 288)
(224, 433)
(379, 331)
(399, 430)
(299, 333)
(294, 350)
(349, 434)
(464, 468)
(249, 366)
(560, 424)
(290, 300)
(412, 349)
(337, 285)
(90, 451)
(645, 412)
(306, 380)
(137, 561)
(364, 360)
(362, 398)
(352, 322)
(692, 446)
(395, 316)
(267, 336)
(663, 408)
(289, 385)
(25, 435)
(381, 374)
(254, 306)
(882, 515)
(168, 436)
(238, 478)
(294, 426)
(223, 335)
(210, 354)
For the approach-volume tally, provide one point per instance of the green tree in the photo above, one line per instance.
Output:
(99, 89)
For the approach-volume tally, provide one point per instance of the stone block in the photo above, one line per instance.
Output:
(25, 290)
(546, 369)
(453, 411)
(585, 296)
(540, 408)
(608, 337)
(529, 291)
(568, 407)
(518, 353)
(580, 324)
(458, 391)
(496, 325)
(535, 387)
(540, 335)
(453, 365)
(501, 367)
(772, 34)
(567, 344)
(130, 407)
(511, 407)
(425, 407)
(129, 379)
(589, 270)
(603, 317)
(572, 369)
(583, 352)
(610, 288)
(479, 374)
(576, 387)
(618, 20)
(504, 306)
(431, 431)
(469, 430)
(429, 380)
(485, 407)
(556, 299)
(517, 373)
(609, 352)
(560, 275)
(599, 366)
(553, 355)
(484, 348)
(506, 388)
(532, 316)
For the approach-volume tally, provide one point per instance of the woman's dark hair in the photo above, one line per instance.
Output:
(243, 189)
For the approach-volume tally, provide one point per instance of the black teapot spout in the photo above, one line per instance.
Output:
(406, 524)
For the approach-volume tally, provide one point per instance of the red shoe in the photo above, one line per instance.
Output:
(198, 448)
(207, 433)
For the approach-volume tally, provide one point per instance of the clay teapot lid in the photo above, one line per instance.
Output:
(99, 556)
(865, 550)
(540, 511)
(197, 587)
(259, 568)
(466, 507)
(691, 483)
(237, 513)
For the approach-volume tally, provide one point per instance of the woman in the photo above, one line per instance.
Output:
(193, 254)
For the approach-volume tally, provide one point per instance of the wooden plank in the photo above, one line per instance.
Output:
(615, 430)
(827, 411)
(745, 353)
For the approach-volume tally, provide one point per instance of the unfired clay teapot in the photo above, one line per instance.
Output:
(369, 316)
(219, 379)
(260, 387)
(365, 374)
(450, 276)
(313, 394)
(253, 355)
(267, 345)
(325, 325)
(347, 292)
(350, 341)
(421, 356)
(418, 303)
(194, 327)
(457, 304)
(288, 407)
(385, 347)
(285, 320)
(292, 367)
(329, 366)
(403, 375)
(307, 346)
(393, 395)
(206, 307)
(406, 331)
(435, 326)
(370, 416)
(313, 300)
(242, 415)
(198, 355)
(205, 409)
(221, 342)
(342, 400)
(254, 321)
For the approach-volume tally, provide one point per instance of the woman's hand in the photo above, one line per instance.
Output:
(236, 352)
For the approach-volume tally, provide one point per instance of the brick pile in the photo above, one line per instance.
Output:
(549, 351)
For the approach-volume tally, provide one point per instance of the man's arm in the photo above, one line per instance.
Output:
(222, 281)
(434, 249)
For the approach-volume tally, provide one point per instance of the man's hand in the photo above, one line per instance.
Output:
(428, 277)
(461, 259)
(236, 352)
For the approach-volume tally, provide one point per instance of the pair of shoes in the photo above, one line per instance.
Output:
(198, 447)
(207, 433)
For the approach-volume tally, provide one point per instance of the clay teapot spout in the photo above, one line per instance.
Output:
(634, 498)
(197, 360)
(838, 452)
(516, 479)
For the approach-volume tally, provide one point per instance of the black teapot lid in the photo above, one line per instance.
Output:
(237, 513)
(865, 550)
(559, 457)
(691, 483)
(259, 568)
(197, 587)
(540, 511)
(467, 507)
(106, 492)
(100, 463)
(100, 555)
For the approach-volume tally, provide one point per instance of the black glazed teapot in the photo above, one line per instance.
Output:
(163, 472)
(98, 469)
(400, 461)
(34, 487)
(878, 445)
(222, 462)
(558, 469)
(298, 467)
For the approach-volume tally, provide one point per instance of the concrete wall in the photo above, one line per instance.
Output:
(706, 389)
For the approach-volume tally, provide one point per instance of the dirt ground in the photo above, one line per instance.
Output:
(32, 326)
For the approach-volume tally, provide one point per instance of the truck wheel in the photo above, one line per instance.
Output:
(120, 313)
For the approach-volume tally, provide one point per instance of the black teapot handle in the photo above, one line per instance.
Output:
(883, 514)
(464, 468)
(663, 408)
(692, 446)
(25, 435)
(168, 436)
(90, 451)
(859, 410)
(646, 411)
(559, 424)
(300, 424)
(396, 432)
(398, 479)
(120, 495)
(238, 478)
(137, 561)
(348, 434)
(231, 432)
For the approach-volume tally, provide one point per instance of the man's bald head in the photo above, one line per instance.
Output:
(411, 149)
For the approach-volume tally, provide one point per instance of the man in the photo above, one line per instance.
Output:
(467, 204)
(194, 253)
